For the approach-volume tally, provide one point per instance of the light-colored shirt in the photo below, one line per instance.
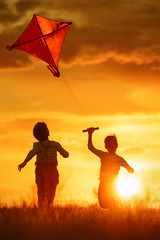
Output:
(46, 152)
(110, 163)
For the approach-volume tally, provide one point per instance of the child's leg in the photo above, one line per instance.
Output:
(51, 195)
(52, 181)
(41, 196)
(105, 196)
(40, 186)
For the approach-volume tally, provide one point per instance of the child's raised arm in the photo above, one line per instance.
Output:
(97, 152)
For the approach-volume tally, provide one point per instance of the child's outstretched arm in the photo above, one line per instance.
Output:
(62, 151)
(22, 165)
(30, 155)
(127, 166)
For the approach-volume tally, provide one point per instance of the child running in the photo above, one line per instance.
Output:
(46, 173)
(110, 166)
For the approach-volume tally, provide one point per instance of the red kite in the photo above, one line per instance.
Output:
(43, 38)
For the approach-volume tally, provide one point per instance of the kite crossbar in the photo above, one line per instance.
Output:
(86, 130)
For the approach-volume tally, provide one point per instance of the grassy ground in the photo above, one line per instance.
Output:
(85, 222)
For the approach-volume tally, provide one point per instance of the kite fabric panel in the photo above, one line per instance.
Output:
(43, 38)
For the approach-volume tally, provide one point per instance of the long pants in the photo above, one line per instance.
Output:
(47, 178)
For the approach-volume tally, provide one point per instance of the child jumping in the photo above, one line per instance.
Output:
(110, 166)
(46, 173)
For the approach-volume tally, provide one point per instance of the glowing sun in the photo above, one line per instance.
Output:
(128, 186)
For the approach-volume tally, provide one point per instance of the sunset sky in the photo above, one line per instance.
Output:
(110, 60)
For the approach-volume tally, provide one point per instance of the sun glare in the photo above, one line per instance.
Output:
(128, 186)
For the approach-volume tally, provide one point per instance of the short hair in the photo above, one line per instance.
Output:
(40, 131)
(111, 141)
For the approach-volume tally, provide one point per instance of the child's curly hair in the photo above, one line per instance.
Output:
(111, 142)
(40, 131)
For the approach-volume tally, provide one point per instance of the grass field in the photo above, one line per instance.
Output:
(85, 222)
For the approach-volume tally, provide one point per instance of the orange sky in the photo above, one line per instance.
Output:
(110, 59)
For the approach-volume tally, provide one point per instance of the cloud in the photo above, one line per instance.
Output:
(120, 31)
(149, 98)
(138, 134)
(138, 57)
(23, 6)
(136, 150)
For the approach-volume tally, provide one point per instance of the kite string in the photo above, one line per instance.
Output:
(78, 104)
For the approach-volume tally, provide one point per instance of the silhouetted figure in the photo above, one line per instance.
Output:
(47, 176)
(110, 166)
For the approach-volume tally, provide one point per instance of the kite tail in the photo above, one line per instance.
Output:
(54, 71)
